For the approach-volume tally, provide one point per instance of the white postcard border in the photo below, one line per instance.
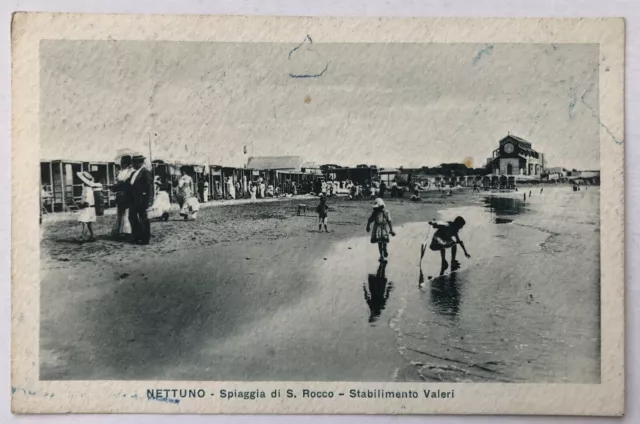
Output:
(29, 395)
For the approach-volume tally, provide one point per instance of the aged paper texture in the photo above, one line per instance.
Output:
(317, 215)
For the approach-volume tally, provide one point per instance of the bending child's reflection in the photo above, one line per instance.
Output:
(445, 294)
(377, 292)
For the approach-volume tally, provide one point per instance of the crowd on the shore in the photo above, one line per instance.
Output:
(141, 197)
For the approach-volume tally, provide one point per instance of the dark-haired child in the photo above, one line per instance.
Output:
(445, 237)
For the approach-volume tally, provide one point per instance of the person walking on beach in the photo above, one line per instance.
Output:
(189, 205)
(383, 188)
(205, 195)
(142, 194)
(87, 206)
(262, 189)
(121, 188)
(322, 210)
(394, 189)
(201, 190)
(161, 203)
(231, 190)
(382, 227)
(445, 237)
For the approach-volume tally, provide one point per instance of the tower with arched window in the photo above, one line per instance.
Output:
(516, 156)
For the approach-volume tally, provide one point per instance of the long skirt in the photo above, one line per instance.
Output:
(190, 207)
(122, 225)
(161, 205)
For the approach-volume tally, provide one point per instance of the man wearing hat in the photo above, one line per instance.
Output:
(142, 193)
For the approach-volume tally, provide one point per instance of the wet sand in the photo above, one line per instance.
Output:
(246, 292)
(255, 292)
(525, 308)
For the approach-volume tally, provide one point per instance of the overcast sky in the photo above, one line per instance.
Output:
(384, 104)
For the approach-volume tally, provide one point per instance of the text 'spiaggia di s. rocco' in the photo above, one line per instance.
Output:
(317, 215)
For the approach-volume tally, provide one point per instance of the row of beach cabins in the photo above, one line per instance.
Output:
(61, 189)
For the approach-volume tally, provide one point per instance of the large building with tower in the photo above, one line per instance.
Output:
(515, 156)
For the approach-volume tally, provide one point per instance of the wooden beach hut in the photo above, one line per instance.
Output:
(61, 189)
(216, 182)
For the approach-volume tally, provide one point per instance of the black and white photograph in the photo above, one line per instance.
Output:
(363, 213)
(320, 211)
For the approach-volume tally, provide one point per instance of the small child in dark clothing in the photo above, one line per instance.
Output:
(322, 210)
(445, 237)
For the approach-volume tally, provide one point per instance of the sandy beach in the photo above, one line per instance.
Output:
(245, 292)
(255, 292)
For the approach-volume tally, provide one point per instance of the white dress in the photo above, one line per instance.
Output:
(206, 192)
(161, 205)
(231, 190)
(190, 205)
(122, 224)
(87, 214)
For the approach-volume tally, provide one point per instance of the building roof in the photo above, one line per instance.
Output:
(519, 140)
(584, 174)
(276, 162)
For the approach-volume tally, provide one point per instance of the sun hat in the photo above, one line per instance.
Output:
(378, 203)
(86, 178)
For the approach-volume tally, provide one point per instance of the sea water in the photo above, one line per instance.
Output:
(523, 308)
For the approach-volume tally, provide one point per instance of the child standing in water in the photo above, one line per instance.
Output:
(381, 228)
(322, 210)
(445, 237)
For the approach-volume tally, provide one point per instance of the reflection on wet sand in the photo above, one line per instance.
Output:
(503, 317)
(498, 207)
(377, 292)
(445, 295)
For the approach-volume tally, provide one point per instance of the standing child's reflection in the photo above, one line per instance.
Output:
(377, 292)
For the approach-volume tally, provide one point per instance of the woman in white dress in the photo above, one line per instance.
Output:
(231, 190)
(122, 227)
(205, 198)
(87, 205)
(190, 205)
(161, 203)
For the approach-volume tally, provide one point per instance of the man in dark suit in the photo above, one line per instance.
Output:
(142, 193)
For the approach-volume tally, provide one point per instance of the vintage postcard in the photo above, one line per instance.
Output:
(317, 215)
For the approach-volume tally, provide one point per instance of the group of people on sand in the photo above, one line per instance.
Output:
(134, 189)
(138, 199)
